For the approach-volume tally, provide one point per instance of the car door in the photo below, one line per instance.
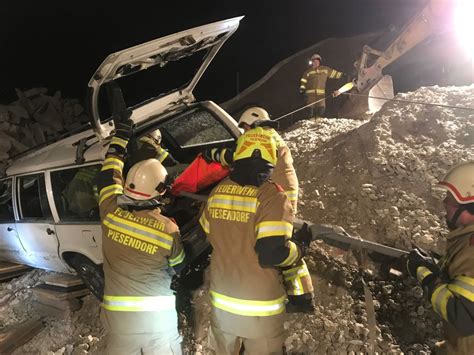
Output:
(77, 211)
(35, 224)
(11, 248)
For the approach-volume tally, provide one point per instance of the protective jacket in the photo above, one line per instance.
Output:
(452, 291)
(249, 228)
(80, 193)
(139, 247)
(147, 148)
(313, 83)
(284, 173)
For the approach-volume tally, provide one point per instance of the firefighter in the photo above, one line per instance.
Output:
(296, 278)
(80, 194)
(149, 146)
(249, 222)
(449, 283)
(141, 248)
(313, 84)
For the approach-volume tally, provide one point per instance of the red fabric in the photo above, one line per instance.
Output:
(198, 175)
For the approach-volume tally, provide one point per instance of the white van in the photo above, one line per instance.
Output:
(49, 217)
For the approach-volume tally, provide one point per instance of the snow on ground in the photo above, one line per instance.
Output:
(375, 178)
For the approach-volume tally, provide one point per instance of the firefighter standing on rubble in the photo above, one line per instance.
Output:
(141, 248)
(449, 284)
(313, 84)
(249, 222)
(297, 278)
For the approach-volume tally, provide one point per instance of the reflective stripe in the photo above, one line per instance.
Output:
(440, 299)
(222, 159)
(112, 163)
(119, 141)
(138, 231)
(177, 260)
(292, 195)
(422, 272)
(302, 87)
(320, 91)
(311, 72)
(338, 75)
(292, 255)
(273, 228)
(106, 192)
(162, 154)
(303, 80)
(204, 223)
(237, 203)
(248, 307)
(294, 276)
(138, 304)
(464, 286)
(310, 91)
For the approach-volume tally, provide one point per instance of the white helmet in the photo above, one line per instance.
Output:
(156, 135)
(145, 180)
(460, 182)
(252, 115)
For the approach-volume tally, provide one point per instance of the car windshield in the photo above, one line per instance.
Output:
(195, 128)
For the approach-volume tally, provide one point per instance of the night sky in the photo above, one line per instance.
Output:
(59, 44)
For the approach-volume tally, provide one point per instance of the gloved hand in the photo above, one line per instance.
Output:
(123, 128)
(211, 155)
(419, 258)
(336, 93)
(303, 238)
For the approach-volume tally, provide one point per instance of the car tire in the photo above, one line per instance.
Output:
(91, 274)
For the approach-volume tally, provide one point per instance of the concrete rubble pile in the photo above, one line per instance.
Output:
(34, 119)
(375, 178)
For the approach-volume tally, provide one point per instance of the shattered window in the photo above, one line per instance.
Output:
(6, 201)
(199, 127)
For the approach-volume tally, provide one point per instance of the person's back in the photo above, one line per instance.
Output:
(140, 247)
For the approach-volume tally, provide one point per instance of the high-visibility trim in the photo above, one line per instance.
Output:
(292, 255)
(310, 91)
(177, 260)
(464, 286)
(138, 304)
(162, 155)
(312, 72)
(302, 87)
(303, 80)
(292, 195)
(422, 272)
(320, 91)
(298, 271)
(439, 300)
(236, 203)
(204, 223)
(222, 158)
(112, 163)
(106, 192)
(119, 141)
(248, 308)
(138, 231)
(273, 229)
(338, 75)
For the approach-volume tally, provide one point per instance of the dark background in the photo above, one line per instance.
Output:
(59, 44)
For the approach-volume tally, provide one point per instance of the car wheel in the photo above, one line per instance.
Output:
(91, 274)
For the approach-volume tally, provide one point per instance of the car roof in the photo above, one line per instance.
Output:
(59, 154)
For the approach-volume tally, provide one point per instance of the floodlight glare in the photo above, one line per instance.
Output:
(463, 22)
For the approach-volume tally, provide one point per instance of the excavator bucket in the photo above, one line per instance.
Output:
(369, 100)
(383, 89)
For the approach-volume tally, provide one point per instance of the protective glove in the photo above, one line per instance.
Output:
(303, 238)
(123, 128)
(422, 266)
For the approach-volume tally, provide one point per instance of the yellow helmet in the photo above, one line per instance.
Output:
(252, 115)
(257, 142)
(460, 182)
(146, 180)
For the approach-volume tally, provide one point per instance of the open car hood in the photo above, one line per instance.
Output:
(158, 52)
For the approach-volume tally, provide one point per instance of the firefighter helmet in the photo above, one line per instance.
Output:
(257, 143)
(146, 180)
(314, 57)
(156, 135)
(460, 182)
(253, 115)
